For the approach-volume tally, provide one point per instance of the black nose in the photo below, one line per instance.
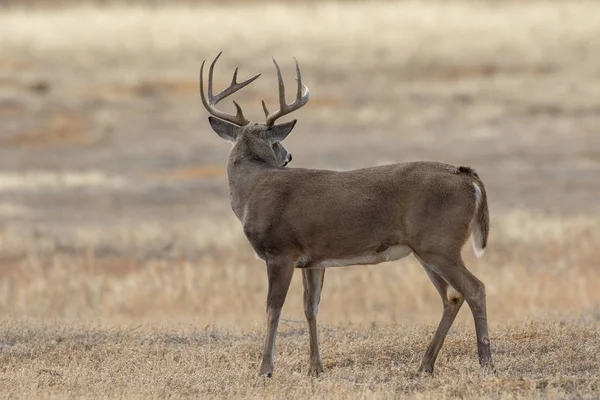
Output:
(290, 160)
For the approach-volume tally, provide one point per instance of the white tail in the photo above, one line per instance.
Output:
(476, 229)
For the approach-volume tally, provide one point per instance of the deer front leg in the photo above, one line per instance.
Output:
(280, 276)
(312, 279)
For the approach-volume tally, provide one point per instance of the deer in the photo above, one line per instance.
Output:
(313, 219)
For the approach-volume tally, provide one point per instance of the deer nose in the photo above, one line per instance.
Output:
(288, 159)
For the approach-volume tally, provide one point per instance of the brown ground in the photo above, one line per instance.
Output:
(123, 272)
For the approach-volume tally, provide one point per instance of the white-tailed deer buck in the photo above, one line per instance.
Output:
(315, 219)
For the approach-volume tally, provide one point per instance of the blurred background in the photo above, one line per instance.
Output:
(114, 202)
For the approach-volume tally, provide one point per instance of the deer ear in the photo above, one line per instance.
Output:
(277, 133)
(225, 130)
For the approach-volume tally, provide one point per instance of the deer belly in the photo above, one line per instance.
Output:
(390, 254)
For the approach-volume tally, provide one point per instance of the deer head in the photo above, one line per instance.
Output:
(254, 140)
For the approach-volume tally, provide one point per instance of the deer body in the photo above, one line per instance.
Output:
(329, 218)
(314, 219)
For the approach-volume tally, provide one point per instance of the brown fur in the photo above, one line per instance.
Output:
(327, 214)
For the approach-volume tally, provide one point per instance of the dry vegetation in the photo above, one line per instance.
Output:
(549, 358)
(538, 266)
(123, 273)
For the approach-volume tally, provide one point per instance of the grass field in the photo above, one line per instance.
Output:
(124, 274)
(535, 359)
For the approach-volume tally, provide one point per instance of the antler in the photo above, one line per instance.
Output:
(237, 119)
(301, 99)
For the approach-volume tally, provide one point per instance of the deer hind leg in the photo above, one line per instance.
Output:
(279, 275)
(454, 272)
(312, 279)
(452, 301)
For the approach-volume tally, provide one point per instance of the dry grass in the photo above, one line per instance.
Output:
(140, 300)
(540, 265)
(536, 359)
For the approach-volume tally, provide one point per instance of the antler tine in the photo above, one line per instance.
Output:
(299, 80)
(202, 84)
(306, 96)
(302, 96)
(302, 88)
(265, 109)
(234, 78)
(280, 85)
(233, 87)
(210, 76)
(237, 119)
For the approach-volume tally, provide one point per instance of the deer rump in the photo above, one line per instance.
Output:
(366, 216)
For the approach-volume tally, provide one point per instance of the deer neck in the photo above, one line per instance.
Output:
(244, 171)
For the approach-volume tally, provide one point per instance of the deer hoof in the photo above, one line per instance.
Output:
(426, 369)
(316, 369)
(488, 367)
(266, 370)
